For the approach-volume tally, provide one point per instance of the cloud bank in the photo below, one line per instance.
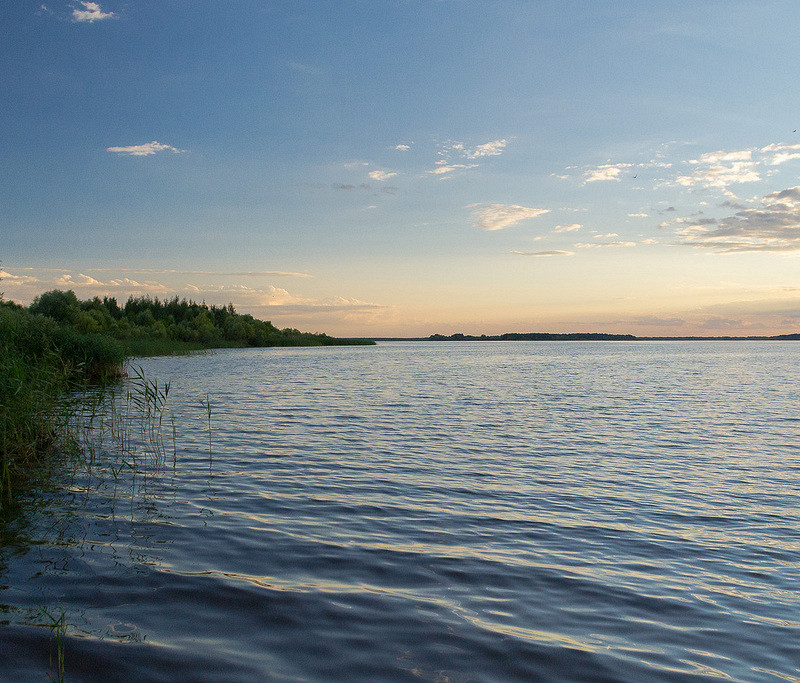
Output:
(772, 227)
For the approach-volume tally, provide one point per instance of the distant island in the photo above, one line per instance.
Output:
(581, 336)
(535, 336)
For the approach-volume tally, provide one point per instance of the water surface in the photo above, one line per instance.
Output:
(451, 511)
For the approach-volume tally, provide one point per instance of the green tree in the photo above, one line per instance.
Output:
(63, 307)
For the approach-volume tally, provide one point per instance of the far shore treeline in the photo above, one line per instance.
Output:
(590, 336)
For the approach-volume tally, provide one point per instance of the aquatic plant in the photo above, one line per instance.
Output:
(206, 404)
(58, 628)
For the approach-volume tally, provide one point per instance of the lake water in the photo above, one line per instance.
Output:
(487, 511)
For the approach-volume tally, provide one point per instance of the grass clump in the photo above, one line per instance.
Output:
(41, 361)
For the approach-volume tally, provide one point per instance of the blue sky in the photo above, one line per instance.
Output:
(410, 166)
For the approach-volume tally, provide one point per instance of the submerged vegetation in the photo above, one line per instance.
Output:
(59, 345)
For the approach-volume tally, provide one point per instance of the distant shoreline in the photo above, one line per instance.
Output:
(579, 336)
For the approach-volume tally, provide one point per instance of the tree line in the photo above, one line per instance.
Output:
(175, 319)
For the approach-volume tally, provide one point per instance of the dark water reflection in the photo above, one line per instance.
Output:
(461, 512)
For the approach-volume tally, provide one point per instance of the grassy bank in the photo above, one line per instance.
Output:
(40, 362)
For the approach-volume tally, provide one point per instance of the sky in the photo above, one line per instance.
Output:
(410, 167)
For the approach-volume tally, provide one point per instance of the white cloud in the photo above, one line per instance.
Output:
(553, 252)
(499, 216)
(7, 277)
(772, 227)
(488, 149)
(605, 172)
(402, 148)
(637, 215)
(144, 150)
(91, 12)
(382, 175)
(568, 228)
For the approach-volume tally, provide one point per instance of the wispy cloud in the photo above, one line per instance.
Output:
(402, 147)
(147, 149)
(603, 245)
(91, 12)
(332, 305)
(445, 168)
(453, 155)
(568, 228)
(499, 216)
(774, 226)
(552, 252)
